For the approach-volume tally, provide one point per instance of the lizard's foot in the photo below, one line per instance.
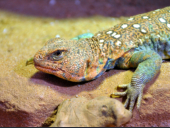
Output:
(132, 93)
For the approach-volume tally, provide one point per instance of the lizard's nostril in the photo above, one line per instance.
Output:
(39, 57)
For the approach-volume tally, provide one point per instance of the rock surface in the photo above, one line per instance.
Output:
(28, 97)
(98, 112)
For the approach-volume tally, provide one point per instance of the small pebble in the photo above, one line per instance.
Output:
(57, 36)
(113, 19)
(5, 30)
(77, 2)
(52, 2)
(51, 23)
(88, 30)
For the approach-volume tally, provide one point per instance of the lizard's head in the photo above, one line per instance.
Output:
(67, 59)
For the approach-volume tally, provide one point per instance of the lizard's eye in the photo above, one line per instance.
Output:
(58, 55)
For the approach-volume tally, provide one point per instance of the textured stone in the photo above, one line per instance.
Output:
(25, 104)
(98, 112)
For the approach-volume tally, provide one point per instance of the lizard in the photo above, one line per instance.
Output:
(141, 42)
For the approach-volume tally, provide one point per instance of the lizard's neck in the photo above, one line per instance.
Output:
(99, 60)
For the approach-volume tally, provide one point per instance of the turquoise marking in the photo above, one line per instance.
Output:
(85, 35)
(151, 27)
(109, 64)
(100, 61)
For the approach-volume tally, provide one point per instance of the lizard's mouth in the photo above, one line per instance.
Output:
(60, 73)
(56, 70)
(47, 69)
(44, 67)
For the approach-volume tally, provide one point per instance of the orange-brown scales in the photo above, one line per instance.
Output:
(132, 32)
(141, 42)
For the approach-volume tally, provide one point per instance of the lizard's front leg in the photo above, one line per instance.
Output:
(148, 64)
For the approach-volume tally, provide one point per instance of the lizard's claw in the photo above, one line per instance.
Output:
(132, 93)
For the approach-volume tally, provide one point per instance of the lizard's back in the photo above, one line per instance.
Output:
(89, 58)
(137, 31)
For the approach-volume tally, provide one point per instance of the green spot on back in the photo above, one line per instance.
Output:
(100, 61)
(150, 27)
(85, 35)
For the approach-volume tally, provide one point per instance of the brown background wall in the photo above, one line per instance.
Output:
(81, 8)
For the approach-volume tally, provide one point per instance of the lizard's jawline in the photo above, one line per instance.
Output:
(54, 72)
(47, 70)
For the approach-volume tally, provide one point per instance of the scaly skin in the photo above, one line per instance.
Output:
(141, 42)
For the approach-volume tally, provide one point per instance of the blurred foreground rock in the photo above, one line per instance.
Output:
(98, 112)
